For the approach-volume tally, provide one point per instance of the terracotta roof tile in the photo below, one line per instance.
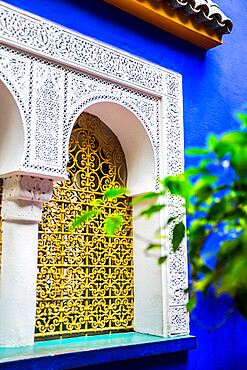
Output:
(205, 11)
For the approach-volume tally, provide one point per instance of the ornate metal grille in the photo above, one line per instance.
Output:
(85, 279)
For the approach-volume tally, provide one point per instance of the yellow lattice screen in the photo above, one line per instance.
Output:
(85, 279)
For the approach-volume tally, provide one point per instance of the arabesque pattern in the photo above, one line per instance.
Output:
(39, 56)
(85, 278)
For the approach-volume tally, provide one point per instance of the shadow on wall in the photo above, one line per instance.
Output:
(172, 361)
(126, 22)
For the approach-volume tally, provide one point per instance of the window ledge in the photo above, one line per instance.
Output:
(84, 351)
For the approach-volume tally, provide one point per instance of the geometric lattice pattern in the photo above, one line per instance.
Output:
(85, 278)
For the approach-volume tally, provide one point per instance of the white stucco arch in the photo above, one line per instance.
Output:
(11, 132)
(141, 159)
(135, 140)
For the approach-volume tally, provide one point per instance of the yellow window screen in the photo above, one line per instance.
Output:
(85, 279)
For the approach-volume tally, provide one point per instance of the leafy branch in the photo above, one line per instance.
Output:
(215, 198)
(112, 222)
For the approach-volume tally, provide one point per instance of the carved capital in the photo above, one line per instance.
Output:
(23, 197)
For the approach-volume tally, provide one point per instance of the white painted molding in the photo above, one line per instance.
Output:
(74, 73)
(40, 37)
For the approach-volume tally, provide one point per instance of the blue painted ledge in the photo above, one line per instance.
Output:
(83, 351)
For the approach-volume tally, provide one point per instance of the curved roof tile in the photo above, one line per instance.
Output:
(204, 11)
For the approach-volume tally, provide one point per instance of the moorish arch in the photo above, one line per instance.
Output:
(85, 279)
(142, 160)
(139, 152)
(11, 140)
(127, 122)
(11, 132)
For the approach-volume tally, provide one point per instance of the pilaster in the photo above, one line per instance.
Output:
(23, 197)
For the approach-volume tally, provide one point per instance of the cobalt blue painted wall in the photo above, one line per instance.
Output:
(214, 87)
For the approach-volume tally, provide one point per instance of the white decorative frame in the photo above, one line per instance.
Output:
(54, 73)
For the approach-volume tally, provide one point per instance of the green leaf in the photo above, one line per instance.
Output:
(218, 209)
(213, 142)
(171, 219)
(187, 290)
(112, 223)
(162, 259)
(192, 303)
(203, 190)
(147, 196)
(203, 194)
(82, 218)
(190, 172)
(197, 235)
(154, 208)
(202, 285)
(239, 159)
(97, 202)
(196, 151)
(206, 180)
(114, 192)
(228, 249)
(243, 119)
(178, 235)
(200, 266)
(153, 246)
(179, 185)
(159, 236)
(204, 163)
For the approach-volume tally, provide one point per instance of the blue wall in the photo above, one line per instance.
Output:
(214, 87)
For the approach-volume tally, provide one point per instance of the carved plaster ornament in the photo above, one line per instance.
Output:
(23, 197)
(50, 95)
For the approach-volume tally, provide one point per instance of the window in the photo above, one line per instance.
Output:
(85, 279)
(142, 104)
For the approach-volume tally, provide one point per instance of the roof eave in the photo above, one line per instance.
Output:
(175, 21)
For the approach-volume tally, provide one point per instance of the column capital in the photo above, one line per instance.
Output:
(23, 197)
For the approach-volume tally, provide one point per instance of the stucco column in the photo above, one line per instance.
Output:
(23, 197)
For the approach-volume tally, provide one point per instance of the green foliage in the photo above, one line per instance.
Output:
(147, 196)
(154, 208)
(162, 259)
(243, 118)
(197, 151)
(83, 217)
(115, 192)
(192, 302)
(112, 223)
(178, 235)
(153, 246)
(215, 199)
